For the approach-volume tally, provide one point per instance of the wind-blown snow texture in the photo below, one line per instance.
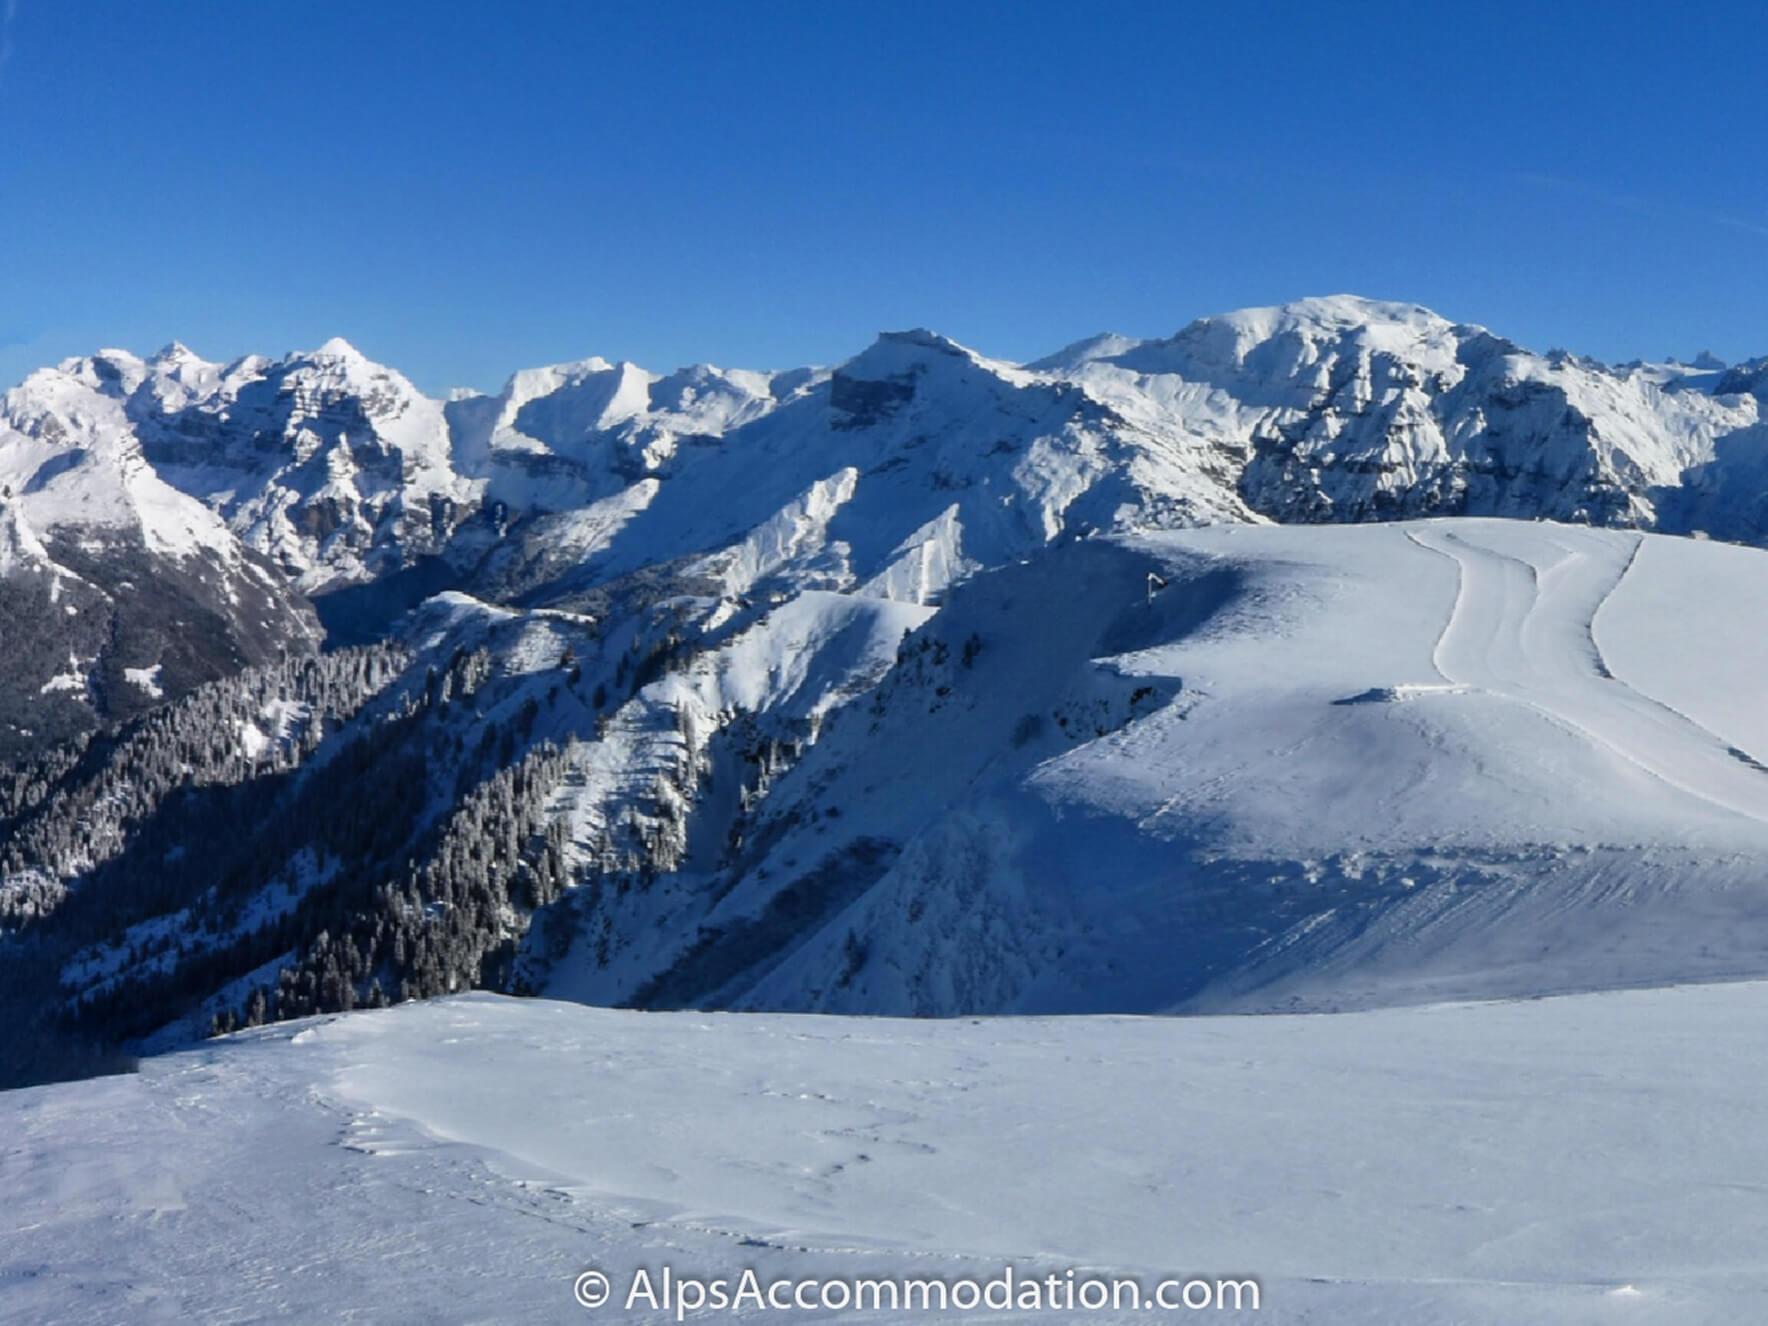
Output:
(1584, 1160)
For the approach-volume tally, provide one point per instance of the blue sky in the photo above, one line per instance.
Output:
(465, 189)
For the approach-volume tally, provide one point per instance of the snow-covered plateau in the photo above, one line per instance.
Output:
(1591, 1159)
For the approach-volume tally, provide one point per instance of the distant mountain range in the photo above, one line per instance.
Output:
(768, 688)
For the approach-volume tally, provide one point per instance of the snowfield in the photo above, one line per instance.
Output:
(1587, 1159)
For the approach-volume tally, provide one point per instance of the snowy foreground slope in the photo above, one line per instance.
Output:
(1587, 1159)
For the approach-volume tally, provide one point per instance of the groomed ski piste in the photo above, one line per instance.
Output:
(1444, 840)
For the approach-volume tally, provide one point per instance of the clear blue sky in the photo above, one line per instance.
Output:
(463, 189)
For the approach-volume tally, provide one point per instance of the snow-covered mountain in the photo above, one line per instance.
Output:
(116, 587)
(1325, 410)
(335, 468)
(1336, 409)
(929, 683)
(569, 434)
(1241, 767)
(909, 467)
(340, 472)
(1349, 409)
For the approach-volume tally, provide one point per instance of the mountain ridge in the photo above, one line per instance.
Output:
(626, 644)
(1326, 408)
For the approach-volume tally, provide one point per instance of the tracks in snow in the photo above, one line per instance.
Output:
(1524, 627)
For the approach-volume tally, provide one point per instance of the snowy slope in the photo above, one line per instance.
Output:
(1581, 1160)
(1245, 767)
(1320, 766)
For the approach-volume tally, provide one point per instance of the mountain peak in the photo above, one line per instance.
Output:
(1274, 341)
(111, 360)
(1087, 350)
(1331, 313)
(925, 338)
(896, 353)
(338, 348)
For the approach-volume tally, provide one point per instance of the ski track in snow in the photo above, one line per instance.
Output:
(1526, 631)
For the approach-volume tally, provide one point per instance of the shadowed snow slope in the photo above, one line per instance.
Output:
(1577, 1160)
(1315, 767)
